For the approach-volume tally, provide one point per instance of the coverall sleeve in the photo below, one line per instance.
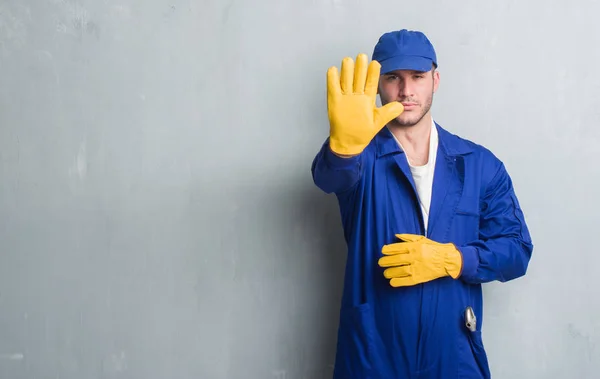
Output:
(504, 247)
(334, 174)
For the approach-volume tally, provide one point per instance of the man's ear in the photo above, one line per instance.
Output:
(436, 80)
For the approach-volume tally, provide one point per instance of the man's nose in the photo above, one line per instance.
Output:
(404, 89)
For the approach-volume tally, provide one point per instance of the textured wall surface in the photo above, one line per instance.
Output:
(157, 214)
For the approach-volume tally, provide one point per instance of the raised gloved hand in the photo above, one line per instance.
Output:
(354, 118)
(418, 259)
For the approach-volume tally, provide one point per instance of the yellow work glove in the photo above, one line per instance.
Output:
(354, 118)
(418, 259)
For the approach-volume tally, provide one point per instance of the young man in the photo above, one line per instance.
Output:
(428, 217)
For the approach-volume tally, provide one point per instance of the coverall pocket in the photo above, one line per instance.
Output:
(476, 342)
(355, 345)
(468, 205)
(467, 212)
(466, 221)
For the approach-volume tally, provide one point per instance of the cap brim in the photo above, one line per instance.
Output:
(406, 62)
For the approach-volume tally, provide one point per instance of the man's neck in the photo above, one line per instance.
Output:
(414, 139)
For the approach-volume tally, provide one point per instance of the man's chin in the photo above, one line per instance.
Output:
(406, 121)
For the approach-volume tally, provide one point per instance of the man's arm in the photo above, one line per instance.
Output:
(334, 173)
(354, 120)
(504, 248)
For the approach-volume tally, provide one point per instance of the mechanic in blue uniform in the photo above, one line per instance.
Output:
(427, 216)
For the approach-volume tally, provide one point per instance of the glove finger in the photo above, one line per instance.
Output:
(394, 260)
(347, 75)
(395, 248)
(398, 272)
(360, 74)
(403, 282)
(387, 113)
(372, 82)
(406, 237)
(333, 82)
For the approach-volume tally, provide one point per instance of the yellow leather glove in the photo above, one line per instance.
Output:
(418, 259)
(354, 118)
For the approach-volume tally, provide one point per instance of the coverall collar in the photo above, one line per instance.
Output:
(450, 144)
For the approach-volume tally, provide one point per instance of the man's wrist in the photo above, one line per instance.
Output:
(338, 161)
(470, 260)
(345, 156)
(454, 261)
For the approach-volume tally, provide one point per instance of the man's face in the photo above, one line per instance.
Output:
(414, 89)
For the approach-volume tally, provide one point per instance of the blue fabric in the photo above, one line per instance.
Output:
(404, 50)
(419, 332)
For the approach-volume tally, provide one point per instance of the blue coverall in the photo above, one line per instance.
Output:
(419, 332)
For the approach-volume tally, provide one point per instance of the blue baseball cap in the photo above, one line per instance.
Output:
(404, 50)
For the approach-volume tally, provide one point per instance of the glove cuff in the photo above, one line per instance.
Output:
(453, 261)
(344, 147)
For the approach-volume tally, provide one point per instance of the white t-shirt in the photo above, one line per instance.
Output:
(423, 175)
